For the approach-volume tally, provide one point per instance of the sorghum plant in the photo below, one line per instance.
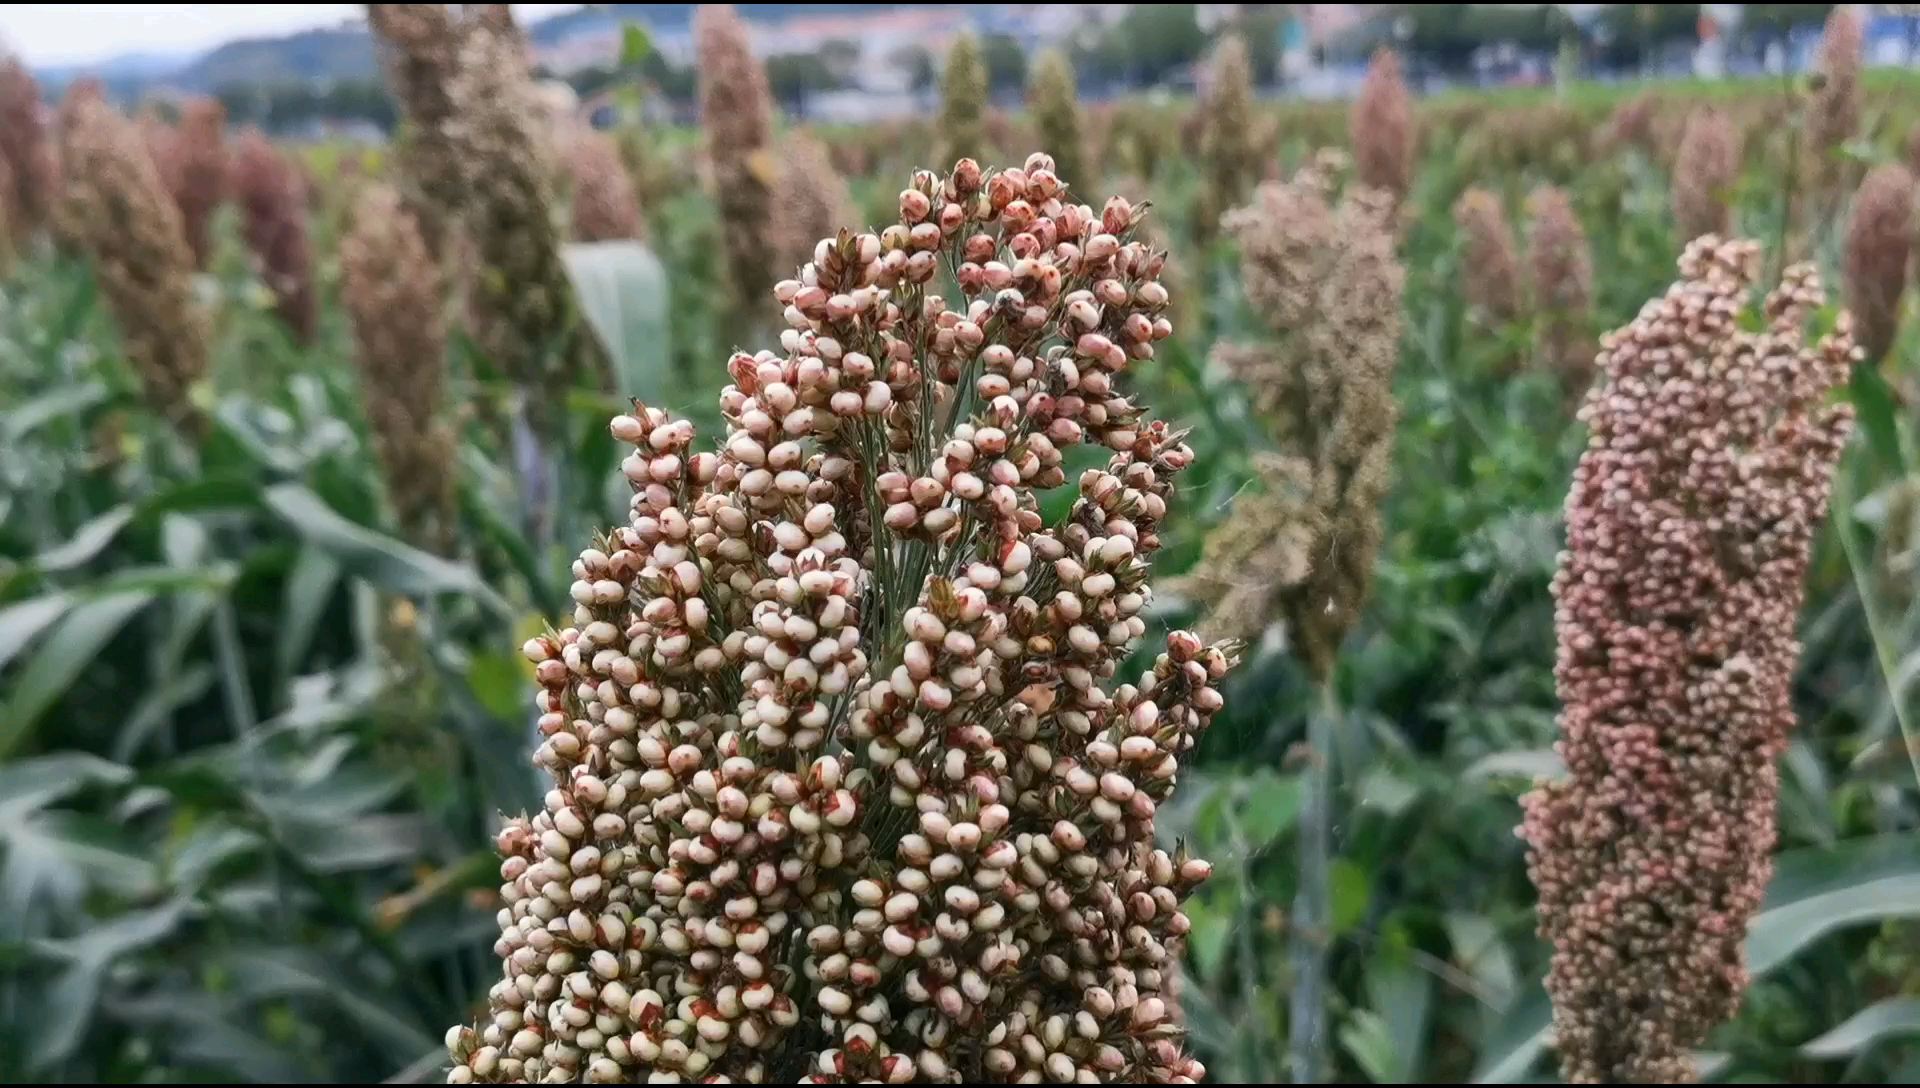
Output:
(1381, 127)
(1229, 163)
(963, 100)
(736, 116)
(419, 49)
(1053, 98)
(841, 787)
(602, 203)
(1833, 112)
(1879, 243)
(118, 214)
(810, 202)
(1561, 270)
(1704, 171)
(272, 197)
(193, 163)
(26, 151)
(1707, 468)
(1489, 260)
(390, 286)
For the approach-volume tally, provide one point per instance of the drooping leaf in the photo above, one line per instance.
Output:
(22, 620)
(60, 659)
(382, 560)
(1893, 1017)
(623, 292)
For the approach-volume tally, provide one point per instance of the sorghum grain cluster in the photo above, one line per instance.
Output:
(1704, 171)
(736, 116)
(1879, 244)
(272, 197)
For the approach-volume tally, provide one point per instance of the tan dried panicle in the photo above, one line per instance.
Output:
(390, 286)
(843, 786)
(1489, 260)
(1326, 280)
(1879, 245)
(1266, 542)
(272, 197)
(1560, 267)
(736, 114)
(1229, 163)
(963, 100)
(1833, 112)
(604, 206)
(810, 202)
(27, 152)
(1704, 171)
(1381, 127)
(1689, 521)
(1053, 99)
(419, 50)
(116, 212)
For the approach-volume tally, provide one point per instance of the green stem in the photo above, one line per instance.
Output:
(1883, 649)
(1309, 926)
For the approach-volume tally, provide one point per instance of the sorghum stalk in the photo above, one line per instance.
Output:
(1489, 261)
(602, 203)
(736, 114)
(810, 203)
(1381, 127)
(1053, 98)
(27, 153)
(842, 789)
(1561, 269)
(1704, 171)
(1879, 244)
(120, 216)
(1230, 162)
(272, 197)
(1689, 521)
(963, 100)
(419, 49)
(391, 288)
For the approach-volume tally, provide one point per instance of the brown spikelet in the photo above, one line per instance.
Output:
(419, 50)
(1053, 99)
(1833, 113)
(1561, 270)
(1381, 127)
(196, 171)
(1704, 171)
(1224, 116)
(27, 152)
(272, 197)
(736, 114)
(520, 302)
(1879, 243)
(810, 202)
(604, 207)
(1489, 261)
(390, 286)
(116, 212)
(963, 101)
(1689, 520)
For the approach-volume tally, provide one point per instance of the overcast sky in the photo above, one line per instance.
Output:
(78, 33)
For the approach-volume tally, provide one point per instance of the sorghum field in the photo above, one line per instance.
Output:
(1405, 591)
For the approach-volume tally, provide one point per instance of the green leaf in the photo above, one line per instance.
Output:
(1350, 888)
(21, 621)
(1266, 807)
(623, 292)
(1895, 1016)
(1873, 403)
(636, 45)
(157, 705)
(270, 973)
(29, 784)
(61, 660)
(87, 542)
(30, 415)
(68, 1004)
(498, 680)
(1399, 1000)
(380, 559)
(309, 588)
(1530, 765)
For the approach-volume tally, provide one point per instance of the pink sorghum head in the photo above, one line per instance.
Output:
(1704, 171)
(419, 50)
(1833, 113)
(736, 116)
(1707, 468)
(1560, 268)
(1381, 127)
(602, 202)
(272, 197)
(194, 167)
(843, 786)
(26, 151)
(810, 202)
(1879, 245)
(1489, 258)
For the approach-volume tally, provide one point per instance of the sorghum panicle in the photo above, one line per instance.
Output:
(1561, 270)
(419, 50)
(1327, 281)
(194, 167)
(118, 214)
(1879, 244)
(603, 205)
(736, 115)
(1833, 113)
(1053, 98)
(26, 151)
(810, 202)
(1707, 468)
(963, 100)
(1704, 171)
(272, 196)
(1381, 127)
(390, 285)
(1489, 260)
(842, 787)
(1230, 164)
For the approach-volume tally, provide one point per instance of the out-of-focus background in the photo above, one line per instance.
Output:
(256, 732)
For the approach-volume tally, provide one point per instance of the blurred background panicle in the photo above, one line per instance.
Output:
(310, 331)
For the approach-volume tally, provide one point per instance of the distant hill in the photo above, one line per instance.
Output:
(321, 56)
